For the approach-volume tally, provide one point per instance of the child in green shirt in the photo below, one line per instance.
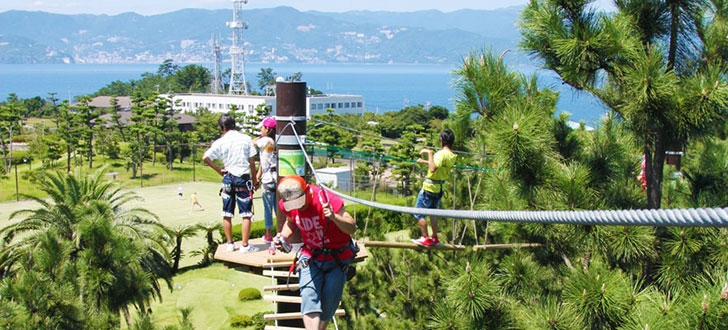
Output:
(438, 169)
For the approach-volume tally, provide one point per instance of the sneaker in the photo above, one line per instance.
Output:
(422, 241)
(434, 241)
(268, 238)
(249, 248)
(230, 247)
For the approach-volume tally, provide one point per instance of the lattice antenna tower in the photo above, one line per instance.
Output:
(216, 85)
(238, 85)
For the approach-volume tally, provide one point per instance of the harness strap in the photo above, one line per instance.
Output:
(440, 182)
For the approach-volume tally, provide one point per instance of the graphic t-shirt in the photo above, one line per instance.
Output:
(444, 160)
(312, 225)
(267, 148)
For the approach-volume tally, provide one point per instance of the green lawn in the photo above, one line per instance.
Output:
(172, 211)
(212, 292)
(153, 174)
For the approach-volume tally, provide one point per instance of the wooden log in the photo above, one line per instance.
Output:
(506, 246)
(294, 316)
(408, 245)
(282, 287)
(283, 299)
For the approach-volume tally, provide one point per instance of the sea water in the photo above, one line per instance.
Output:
(385, 87)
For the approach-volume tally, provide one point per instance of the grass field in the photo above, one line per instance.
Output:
(212, 292)
(172, 211)
(152, 174)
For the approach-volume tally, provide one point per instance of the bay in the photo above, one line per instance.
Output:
(385, 87)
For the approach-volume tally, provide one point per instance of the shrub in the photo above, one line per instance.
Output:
(258, 322)
(241, 321)
(249, 294)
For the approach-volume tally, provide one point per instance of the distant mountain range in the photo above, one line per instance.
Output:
(275, 35)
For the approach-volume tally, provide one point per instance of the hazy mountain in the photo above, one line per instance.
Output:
(276, 35)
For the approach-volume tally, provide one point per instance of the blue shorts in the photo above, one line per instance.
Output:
(322, 284)
(235, 189)
(427, 200)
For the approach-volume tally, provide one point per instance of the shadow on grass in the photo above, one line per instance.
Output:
(149, 176)
(198, 265)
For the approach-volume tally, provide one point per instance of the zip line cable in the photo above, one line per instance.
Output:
(694, 217)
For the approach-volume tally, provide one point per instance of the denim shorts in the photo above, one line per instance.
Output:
(269, 206)
(427, 200)
(322, 284)
(233, 186)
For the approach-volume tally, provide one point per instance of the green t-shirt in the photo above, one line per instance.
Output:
(444, 160)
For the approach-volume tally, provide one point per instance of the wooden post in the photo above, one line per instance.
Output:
(194, 160)
(290, 107)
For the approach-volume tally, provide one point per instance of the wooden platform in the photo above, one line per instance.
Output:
(262, 259)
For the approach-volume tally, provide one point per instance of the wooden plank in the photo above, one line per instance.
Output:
(280, 264)
(408, 245)
(283, 299)
(252, 259)
(294, 316)
(279, 273)
(273, 327)
(282, 287)
(262, 257)
(506, 246)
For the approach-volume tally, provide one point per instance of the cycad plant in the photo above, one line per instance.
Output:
(115, 252)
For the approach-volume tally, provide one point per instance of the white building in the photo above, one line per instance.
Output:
(338, 178)
(247, 103)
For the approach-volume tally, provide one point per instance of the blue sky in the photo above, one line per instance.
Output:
(151, 7)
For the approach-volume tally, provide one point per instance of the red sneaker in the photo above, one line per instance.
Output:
(268, 238)
(423, 241)
(434, 241)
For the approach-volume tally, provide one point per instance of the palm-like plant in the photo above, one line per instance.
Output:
(116, 251)
(178, 234)
(209, 229)
(70, 199)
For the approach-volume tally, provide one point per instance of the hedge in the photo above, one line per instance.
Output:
(241, 321)
(249, 294)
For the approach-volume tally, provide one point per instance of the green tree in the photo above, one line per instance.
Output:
(266, 77)
(664, 96)
(87, 117)
(168, 68)
(191, 79)
(178, 234)
(68, 130)
(9, 124)
(116, 250)
(116, 117)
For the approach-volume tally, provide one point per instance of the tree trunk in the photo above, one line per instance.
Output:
(674, 26)
(127, 316)
(5, 156)
(177, 255)
(91, 150)
(654, 164)
(68, 157)
(154, 150)
(170, 157)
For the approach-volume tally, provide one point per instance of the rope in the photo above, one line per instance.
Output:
(694, 217)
